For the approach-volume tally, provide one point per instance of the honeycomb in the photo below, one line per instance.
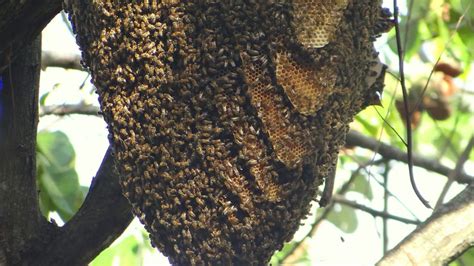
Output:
(306, 87)
(220, 131)
(316, 21)
(288, 142)
(253, 149)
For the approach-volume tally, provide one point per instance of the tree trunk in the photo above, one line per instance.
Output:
(20, 23)
(26, 238)
(20, 218)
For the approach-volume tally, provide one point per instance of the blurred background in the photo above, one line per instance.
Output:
(374, 206)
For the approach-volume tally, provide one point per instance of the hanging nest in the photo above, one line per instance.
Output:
(226, 116)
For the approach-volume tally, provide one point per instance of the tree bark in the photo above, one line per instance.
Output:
(102, 218)
(20, 217)
(52, 59)
(26, 238)
(20, 22)
(444, 236)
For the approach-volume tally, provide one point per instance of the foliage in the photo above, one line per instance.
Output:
(128, 251)
(57, 178)
(465, 259)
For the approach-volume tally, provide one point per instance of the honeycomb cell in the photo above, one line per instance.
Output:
(315, 21)
(287, 138)
(306, 87)
(259, 166)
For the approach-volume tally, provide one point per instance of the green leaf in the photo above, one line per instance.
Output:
(57, 178)
(413, 38)
(43, 99)
(126, 252)
(146, 240)
(460, 7)
(278, 256)
(56, 145)
(369, 128)
(362, 185)
(45, 202)
(467, 258)
(344, 218)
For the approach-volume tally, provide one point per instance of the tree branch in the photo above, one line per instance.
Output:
(453, 174)
(355, 138)
(68, 109)
(54, 59)
(20, 218)
(20, 23)
(342, 200)
(445, 235)
(103, 217)
(327, 210)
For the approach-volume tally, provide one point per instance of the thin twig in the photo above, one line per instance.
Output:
(355, 138)
(448, 143)
(390, 193)
(452, 176)
(392, 100)
(83, 84)
(344, 188)
(328, 187)
(342, 200)
(66, 21)
(405, 102)
(385, 207)
(458, 24)
(390, 126)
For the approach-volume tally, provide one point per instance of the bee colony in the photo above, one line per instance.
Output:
(226, 116)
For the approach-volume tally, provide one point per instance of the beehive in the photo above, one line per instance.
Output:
(220, 132)
(316, 21)
(289, 141)
(306, 86)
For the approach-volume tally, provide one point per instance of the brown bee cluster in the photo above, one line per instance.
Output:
(316, 21)
(224, 116)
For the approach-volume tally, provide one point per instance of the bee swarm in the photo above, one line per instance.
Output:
(226, 116)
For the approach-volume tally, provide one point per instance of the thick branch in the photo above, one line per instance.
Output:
(68, 109)
(20, 218)
(20, 22)
(53, 59)
(101, 219)
(355, 138)
(446, 234)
